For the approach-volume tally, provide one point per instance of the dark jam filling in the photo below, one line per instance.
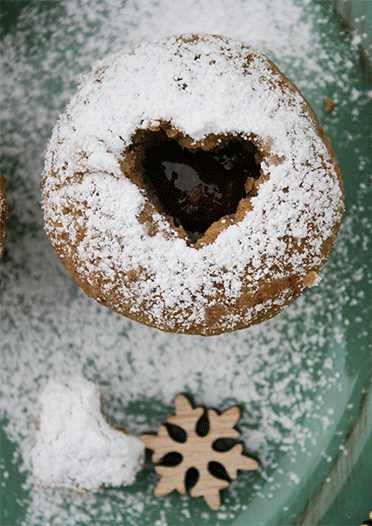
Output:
(198, 187)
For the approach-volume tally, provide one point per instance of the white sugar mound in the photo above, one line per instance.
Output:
(75, 446)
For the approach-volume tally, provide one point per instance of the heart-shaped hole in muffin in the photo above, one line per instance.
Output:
(195, 186)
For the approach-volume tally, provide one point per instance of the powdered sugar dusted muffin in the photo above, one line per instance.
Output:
(3, 214)
(75, 447)
(189, 186)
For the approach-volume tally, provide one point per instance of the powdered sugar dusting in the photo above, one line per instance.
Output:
(286, 374)
(224, 88)
(75, 447)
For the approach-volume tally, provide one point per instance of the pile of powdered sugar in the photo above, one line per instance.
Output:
(75, 447)
(283, 373)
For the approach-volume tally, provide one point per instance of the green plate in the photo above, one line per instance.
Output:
(303, 379)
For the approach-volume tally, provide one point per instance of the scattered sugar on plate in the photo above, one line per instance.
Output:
(49, 328)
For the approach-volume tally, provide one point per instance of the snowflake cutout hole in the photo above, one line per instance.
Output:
(191, 450)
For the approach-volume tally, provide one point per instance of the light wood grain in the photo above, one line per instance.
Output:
(197, 452)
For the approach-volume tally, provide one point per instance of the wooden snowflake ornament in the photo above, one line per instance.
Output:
(197, 452)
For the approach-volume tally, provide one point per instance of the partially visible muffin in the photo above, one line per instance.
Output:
(4, 210)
